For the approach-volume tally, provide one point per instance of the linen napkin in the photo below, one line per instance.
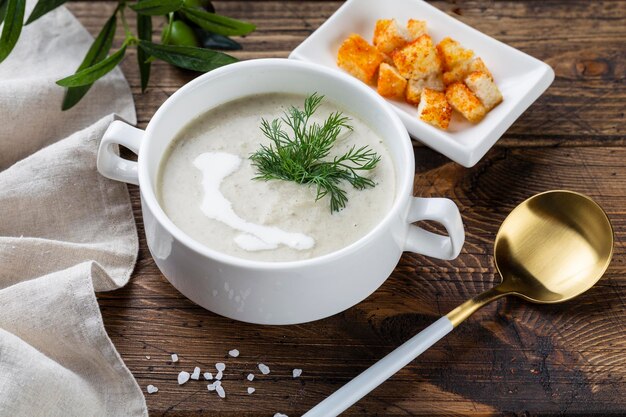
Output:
(65, 231)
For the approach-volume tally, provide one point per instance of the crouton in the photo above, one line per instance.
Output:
(465, 102)
(416, 28)
(359, 58)
(483, 87)
(462, 70)
(390, 83)
(389, 36)
(452, 53)
(478, 65)
(434, 108)
(418, 59)
(415, 87)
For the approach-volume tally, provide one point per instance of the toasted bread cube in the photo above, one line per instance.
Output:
(484, 88)
(452, 53)
(416, 28)
(390, 83)
(389, 36)
(418, 59)
(465, 102)
(359, 58)
(415, 87)
(461, 71)
(434, 108)
(478, 65)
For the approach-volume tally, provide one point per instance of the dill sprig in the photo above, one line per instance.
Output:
(299, 155)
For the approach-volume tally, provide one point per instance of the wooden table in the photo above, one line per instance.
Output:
(512, 358)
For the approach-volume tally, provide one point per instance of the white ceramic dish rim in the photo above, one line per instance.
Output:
(403, 186)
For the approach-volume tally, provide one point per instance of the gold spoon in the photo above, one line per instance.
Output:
(551, 248)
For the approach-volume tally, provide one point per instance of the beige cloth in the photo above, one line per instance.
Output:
(64, 231)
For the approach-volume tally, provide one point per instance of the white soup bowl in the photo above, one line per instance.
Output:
(279, 292)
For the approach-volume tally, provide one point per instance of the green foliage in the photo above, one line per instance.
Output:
(188, 57)
(91, 74)
(3, 10)
(42, 7)
(302, 157)
(14, 19)
(96, 53)
(215, 23)
(156, 7)
(144, 31)
(208, 28)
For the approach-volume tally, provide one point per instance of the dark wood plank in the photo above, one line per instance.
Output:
(512, 358)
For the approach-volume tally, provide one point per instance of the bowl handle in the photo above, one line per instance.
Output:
(441, 210)
(110, 164)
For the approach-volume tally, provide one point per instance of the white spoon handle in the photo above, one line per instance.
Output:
(378, 373)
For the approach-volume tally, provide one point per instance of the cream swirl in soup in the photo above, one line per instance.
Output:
(206, 186)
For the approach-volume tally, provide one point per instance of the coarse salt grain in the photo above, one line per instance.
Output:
(296, 372)
(151, 389)
(147, 357)
(220, 391)
(220, 366)
(211, 387)
(251, 390)
(264, 369)
(219, 375)
(196, 373)
(208, 376)
(174, 357)
(280, 415)
(183, 377)
(250, 377)
(234, 353)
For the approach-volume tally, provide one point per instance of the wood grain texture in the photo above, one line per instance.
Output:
(512, 358)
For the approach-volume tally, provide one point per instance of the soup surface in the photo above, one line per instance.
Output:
(206, 187)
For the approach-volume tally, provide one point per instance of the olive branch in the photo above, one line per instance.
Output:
(189, 39)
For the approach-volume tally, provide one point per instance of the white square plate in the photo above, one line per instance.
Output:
(520, 77)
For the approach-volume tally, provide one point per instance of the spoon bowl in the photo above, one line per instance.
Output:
(553, 246)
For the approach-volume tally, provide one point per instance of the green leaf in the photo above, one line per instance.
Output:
(43, 7)
(12, 26)
(216, 23)
(96, 53)
(156, 7)
(91, 74)
(188, 57)
(214, 41)
(144, 30)
(3, 9)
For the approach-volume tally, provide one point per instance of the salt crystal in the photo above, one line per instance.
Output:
(264, 369)
(218, 383)
(220, 391)
(147, 357)
(296, 372)
(234, 353)
(219, 375)
(151, 389)
(208, 376)
(220, 366)
(250, 377)
(196, 373)
(183, 377)
(280, 415)
(251, 390)
(211, 387)
(174, 357)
